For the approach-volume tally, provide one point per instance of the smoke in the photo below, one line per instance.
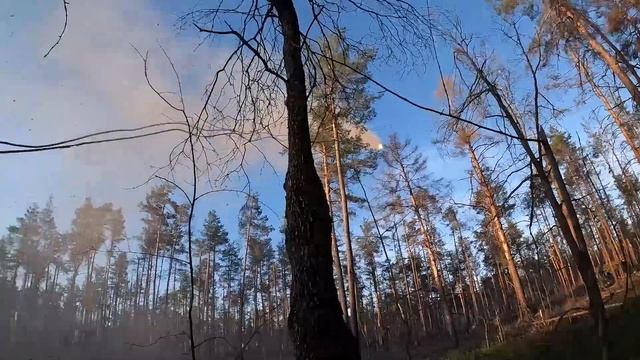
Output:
(368, 136)
(93, 80)
(372, 139)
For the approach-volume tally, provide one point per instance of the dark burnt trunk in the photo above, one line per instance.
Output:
(315, 320)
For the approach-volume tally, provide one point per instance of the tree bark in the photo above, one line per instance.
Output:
(337, 264)
(243, 280)
(213, 292)
(315, 321)
(344, 205)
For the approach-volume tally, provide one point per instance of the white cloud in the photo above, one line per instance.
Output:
(93, 80)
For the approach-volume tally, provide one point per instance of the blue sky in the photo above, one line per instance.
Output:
(94, 81)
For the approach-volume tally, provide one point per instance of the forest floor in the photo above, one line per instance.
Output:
(570, 335)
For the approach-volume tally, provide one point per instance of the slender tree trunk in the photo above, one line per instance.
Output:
(206, 289)
(243, 281)
(556, 259)
(501, 236)
(155, 269)
(147, 282)
(351, 275)
(556, 256)
(255, 297)
(285, 292)
(484, 299)
(275, 306)
(435, 269)
(46, 278)
(378, 305)
(458, 279)
(54, 281)
(400, 260)
(470, 274)
(137, 285)
(105, 291)
(213, 292)
(337, 264)
(602, 201)
(416, 279)
(166, 292)
(502, 284)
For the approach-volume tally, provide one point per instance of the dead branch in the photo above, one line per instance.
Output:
(64, 28)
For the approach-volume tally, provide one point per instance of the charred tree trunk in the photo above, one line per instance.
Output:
(315, 320)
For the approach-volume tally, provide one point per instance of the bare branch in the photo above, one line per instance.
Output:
(64, 28)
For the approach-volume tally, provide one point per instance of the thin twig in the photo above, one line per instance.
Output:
(90, 135)
(182, 333)
(64, 28)
(83, 143)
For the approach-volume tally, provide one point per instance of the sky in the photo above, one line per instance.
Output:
(94, 80)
